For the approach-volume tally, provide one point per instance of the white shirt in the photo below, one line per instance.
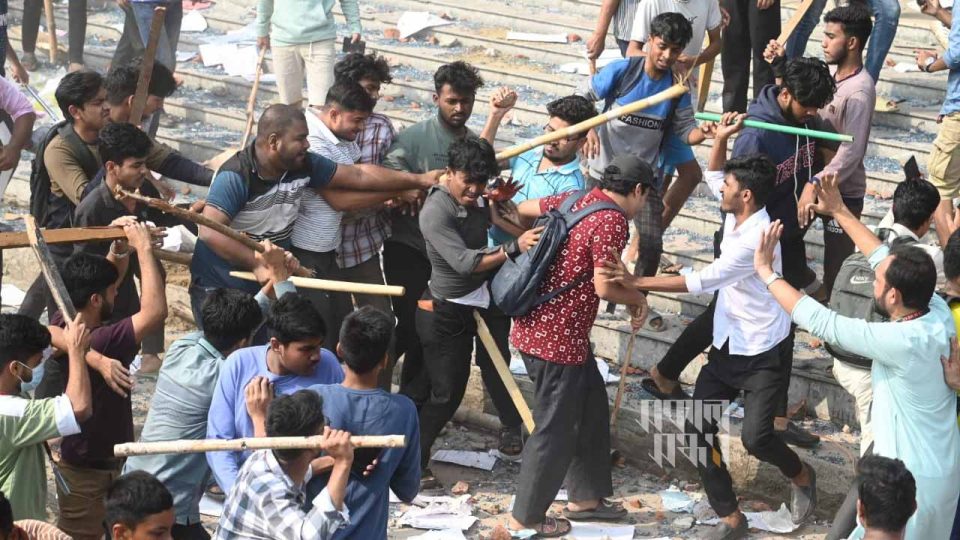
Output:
(897, 230)
(317, 227)
(746, 314)
(703, 15)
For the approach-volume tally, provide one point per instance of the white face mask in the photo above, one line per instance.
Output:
(36, 373)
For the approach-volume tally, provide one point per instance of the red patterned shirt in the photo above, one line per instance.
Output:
(559, 330)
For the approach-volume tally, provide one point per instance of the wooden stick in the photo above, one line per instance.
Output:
(593, 67)
(330, 285)
(674, 91)
(175, 257)
(503, 369)
(49, 270)
(935, 27)
(252, 101)
(794, 21)
(146, 66)
(624, 364)
(252, 443)
(703, 85)
(11, 240)
(51, 29)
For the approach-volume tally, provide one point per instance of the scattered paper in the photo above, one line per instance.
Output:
(517, 367)
(172, 241)
(600, 531)
(186, 56)
(193, 21)
(446, 534)
(542, 38)
(675, 500)
(776, 522)
(466, 458)
(11, 295)
(412, 22)
(215, 54)
(583, 68)
(210, 506)
(905, 67)
(605, 374)
(442, 513)
(241, 35)
(243, 63)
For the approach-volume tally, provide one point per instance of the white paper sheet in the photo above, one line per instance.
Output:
(541, 38)
(780, 522)
(193, 21)
(600, 531)
(411, 22)
(215, 54)
(675, 500)
(467, 458)
(441, 513)
(12, 295)
(605, 374)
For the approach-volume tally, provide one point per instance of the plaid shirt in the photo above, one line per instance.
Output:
(362, 233)
(265, 504)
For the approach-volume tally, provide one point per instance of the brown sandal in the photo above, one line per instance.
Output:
(553, 528)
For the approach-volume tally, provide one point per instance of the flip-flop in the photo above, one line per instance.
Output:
(606, 510)
(511, 442)
(553, 528)
(650, 387)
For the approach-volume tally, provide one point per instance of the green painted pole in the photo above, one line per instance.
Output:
(839, 137)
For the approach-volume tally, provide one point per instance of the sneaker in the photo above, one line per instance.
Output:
(797, 436)
(804, 499)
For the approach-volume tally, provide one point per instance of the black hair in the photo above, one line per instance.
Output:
(228, 316)
(613, 179)
(6, 516)
(21, 337)
(473, 156)
(134, 497)
(76, 89)
(913, 274)
(120, 141)
(364, 338)
(887, 491)
(121, 82)
(85, 274)
(357, 67)
(349, 96)
(756, 173)
(809, 81)
(951, 257)
(463, 78)
(672, 28)
(855, 20)
(572, 109)
(299, 414)
(914, 201)
(277, 118)
(293, 318)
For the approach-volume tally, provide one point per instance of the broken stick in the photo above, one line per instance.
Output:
(49, 270)
(624, 364)
(330, 285)
(252, 101)
(51, 30)
(146, 66)
(793, 21)
(503, 369)
(252, 443)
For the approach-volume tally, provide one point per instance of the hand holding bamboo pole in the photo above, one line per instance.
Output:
(792, 130)
(331, 285)
(252, 443)
(794, 20)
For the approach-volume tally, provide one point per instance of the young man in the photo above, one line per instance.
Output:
(642, 134)
(419, 148)
(887, 497)
(139, 507)
(26, 424)
(291, 360)
(360, 406)
(266, 501)
(571, 442)
(87, 462)
(851, 112)
(258, 192)
(303, 38)
(753, 23)
(750, 337)
(914, 411)
(185, 387)
(547, 170)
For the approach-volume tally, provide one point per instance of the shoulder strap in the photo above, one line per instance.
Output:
(628, 79)
(572, 218)
(88, 162)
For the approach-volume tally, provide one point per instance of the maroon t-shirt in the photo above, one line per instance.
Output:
(112, 419)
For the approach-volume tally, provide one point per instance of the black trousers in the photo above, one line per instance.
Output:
(837, 245)
(448, 335)
(194, 531)
(407, 267)
(722, 379)
(750, 30)
(76, 19)
(130, 46)
(571, 443)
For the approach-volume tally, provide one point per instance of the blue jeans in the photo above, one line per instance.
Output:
(886, 18)
(170, 37)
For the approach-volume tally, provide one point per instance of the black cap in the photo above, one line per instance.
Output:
(629, 168)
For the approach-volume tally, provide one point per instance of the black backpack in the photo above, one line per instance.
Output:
(514, 288)
(40, 195)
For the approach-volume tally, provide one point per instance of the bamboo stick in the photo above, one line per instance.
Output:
(624, 364)
(674, 91)
(827, 135)
(11, 240)
(146, 66)
(51, 30)
(703, 85)
(252, 100)
(252, 443)
(330, 285)
(503, 369)
(49, 270)
(794, 21)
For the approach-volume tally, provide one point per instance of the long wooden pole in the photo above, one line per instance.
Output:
(252, 100)
(674, 91)
(330, 285)
(793, 21)
(624, 364)
(503, 369)
(51, 30)
(11, 240)
(252, 443)
(703, 84)
(146, 66)
(49, 270)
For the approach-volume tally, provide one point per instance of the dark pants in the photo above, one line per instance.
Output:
(649, 222)
(76, 32)
(571, 443)
(193, 531)
(448, 334)
(407, 267)
(130, 46)
(837, 245)
(722, 379)
(37, 299)
(169, 37)
(750, 29)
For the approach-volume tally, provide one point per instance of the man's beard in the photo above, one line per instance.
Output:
(106, 311)
(879, 307)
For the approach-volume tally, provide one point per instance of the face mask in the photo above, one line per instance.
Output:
(36, 373)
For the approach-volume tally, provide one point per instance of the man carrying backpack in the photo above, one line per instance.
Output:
(572, 435)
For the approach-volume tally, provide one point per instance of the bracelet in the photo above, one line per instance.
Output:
(119, 255)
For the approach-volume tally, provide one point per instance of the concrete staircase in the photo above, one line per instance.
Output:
(208, 116)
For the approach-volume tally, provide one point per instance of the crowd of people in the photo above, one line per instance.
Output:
(331, 186)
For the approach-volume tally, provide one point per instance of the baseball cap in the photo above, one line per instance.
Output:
(629, 168)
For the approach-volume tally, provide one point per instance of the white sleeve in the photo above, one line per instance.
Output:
(63, 411)
(714, 181)
(714, 18)
(646, 11)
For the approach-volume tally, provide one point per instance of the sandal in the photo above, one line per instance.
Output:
(604, 511)
(429, 482)
(650, 386)
(553, 528)
(511, 441)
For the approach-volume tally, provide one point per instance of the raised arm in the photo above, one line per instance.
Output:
(830, 203)
(502, 100)
(597, 41)
(153, 295)
(78, 381)
(373, 178)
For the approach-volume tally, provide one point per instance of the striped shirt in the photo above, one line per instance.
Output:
(363, 232)
(317, 227)
(40, 530)
(622, 22)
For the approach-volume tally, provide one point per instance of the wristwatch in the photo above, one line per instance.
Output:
(771, 278)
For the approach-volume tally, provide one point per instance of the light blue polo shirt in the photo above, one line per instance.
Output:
(537, 185)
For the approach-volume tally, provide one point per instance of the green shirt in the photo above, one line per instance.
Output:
(24, 426)
(420, 148)
(297, 22)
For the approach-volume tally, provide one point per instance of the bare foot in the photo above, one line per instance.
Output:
(734, 519)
